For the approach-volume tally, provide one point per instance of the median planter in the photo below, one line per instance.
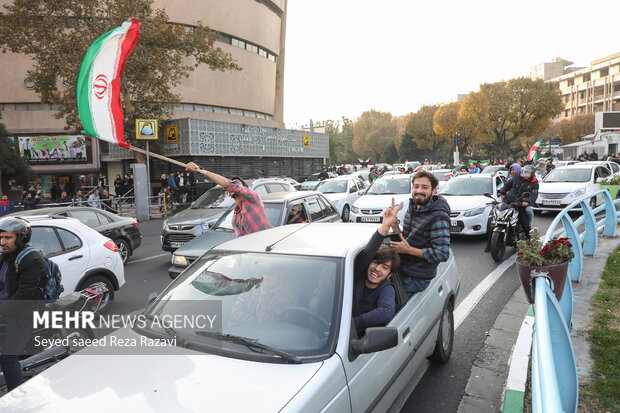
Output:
(613, 190)
(557, 273)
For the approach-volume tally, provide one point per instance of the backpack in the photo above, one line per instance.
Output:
(53, 286)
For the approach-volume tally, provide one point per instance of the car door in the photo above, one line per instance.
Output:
(108, 227)
(315, 211)
(66, 248)
(600, 173)
(352, 190)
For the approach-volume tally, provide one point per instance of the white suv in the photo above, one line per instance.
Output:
(85, 257)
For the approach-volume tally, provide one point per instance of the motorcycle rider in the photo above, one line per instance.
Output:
(25, 286)
(512, 189)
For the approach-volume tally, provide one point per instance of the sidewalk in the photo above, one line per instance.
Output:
(501, 365)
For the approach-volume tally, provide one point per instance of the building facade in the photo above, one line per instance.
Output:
(253, 32)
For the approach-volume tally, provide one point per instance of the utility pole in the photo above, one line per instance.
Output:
(457, 141)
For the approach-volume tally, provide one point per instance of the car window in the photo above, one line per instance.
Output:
(614, 167)
(569, 175)
(360, 185)
(69, 239)
(390, 187)
(274, 188)
(104, 219)
(329, 209)
(261, 190)
(467, 187)
(315, 210)
(213, 198)
(88, 218)
(45, 239)
(602, 172)
(332, 187)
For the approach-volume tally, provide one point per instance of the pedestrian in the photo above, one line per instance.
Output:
(102, 181)
(118, 185)
(6, 206)
(249, 214)
(63, 199)
(93, 199)
(77, 199)
(373, 175)
(106, 201)
(550, 166)
(323, 175)
(30, 202)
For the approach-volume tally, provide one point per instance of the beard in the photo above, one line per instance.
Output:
(422, 201)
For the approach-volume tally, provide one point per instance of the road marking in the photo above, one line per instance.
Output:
(473, 298)
(147, 258)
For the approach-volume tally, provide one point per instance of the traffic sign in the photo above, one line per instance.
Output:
(146, 129)
(306, 141)
(172, 134)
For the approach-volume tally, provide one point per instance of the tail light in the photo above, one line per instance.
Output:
(111, 246)
(135, 224)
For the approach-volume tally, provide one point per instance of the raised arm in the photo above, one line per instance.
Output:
(218, 179)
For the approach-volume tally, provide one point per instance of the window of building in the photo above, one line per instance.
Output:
(262, 52)
(586, 77)
(604, 72)
(218, 109)
(238, 43)
(188, 107)
(224, 38)
(251, 48)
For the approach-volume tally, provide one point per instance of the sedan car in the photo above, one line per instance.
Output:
(469, 209)
(368, 207)
(313, 180)
(85, 257)
(564, 185)
(285, 341)
(343, 191)
(442, 175)
(124, 231)
(311, 207)
(612, 166)
(207, 209)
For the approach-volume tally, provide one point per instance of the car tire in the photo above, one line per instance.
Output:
(123, 249)
(498, 246)
(445, 337)
(346, 213)
(90, 283)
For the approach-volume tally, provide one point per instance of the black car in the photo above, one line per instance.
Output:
(123, 231)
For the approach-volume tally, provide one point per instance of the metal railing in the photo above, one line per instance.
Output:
(555, 384)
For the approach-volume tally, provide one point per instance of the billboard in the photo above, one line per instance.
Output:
(53, 149)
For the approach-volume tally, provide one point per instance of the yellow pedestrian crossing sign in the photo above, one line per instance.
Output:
(146, 129)
(172, 134)
(306, 140)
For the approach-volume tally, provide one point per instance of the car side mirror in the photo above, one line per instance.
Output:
(375, 339)
(211, 224)
(151, 298)
(352, 190)
(488, 195)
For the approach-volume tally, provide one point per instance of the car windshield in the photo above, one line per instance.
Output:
(216, 197)
(390, 187)
(284, 302)
(492, 168)
(332, 187)
(568, 175)
(273, 212)
(467, 187)
(313, 177)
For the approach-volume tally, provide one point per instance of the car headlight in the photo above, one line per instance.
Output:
(179, 260)
(577, 193)
(474, 212)
(354, 209)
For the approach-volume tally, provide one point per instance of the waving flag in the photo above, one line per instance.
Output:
(532, 155)
(98, 89)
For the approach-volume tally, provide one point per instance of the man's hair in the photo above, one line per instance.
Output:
(240, 179)
(426, 174)
(386, 254)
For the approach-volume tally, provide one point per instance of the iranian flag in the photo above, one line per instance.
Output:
(98, 89)
(532, 155)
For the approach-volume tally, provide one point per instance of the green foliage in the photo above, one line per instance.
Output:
(390, 154)
(372, 131)
(555, 251)
(12, 166)
(56, 35)
(614, 180)
(340, 140)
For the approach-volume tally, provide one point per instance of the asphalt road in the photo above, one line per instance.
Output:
(441, 387)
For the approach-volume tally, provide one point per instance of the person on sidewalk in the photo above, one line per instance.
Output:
(249, 215)
(6, 206)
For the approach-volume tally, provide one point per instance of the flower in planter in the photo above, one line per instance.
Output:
(614, 180)
(555, 251)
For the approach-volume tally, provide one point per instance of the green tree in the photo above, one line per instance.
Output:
(507, 113)
(12, 166)
(421, 128)
(372, 131)
(337, 139)
(408, 149)
(56, 35)
(390, 154)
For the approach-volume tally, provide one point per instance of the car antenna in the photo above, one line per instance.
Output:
(270, 247)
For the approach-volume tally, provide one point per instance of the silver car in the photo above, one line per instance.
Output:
(286, 342)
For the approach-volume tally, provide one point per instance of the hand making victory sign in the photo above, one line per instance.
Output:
(390, 217)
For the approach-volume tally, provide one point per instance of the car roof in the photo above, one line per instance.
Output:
(473, 176)
(49, 211)
(580, 165)
(286, 196)
(339, 178)
(397, 176)
(314, 239)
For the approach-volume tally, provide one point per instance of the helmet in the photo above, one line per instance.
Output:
(18, 226)
(528, 171)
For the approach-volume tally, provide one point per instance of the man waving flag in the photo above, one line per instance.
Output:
(533, 153)
(98, 89)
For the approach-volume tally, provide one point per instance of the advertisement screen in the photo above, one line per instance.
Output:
(53, 149)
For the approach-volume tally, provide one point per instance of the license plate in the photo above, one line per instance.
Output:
(454, 223)
(177, 244)
(551, 202)
(371, 219)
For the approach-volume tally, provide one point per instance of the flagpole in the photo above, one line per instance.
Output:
(158, 156)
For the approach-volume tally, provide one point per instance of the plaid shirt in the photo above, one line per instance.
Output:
(250, 217)
(439, 235)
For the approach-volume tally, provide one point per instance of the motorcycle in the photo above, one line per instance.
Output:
(35, 359)
(505, 228)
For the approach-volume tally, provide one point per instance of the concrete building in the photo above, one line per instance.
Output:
(229, 122)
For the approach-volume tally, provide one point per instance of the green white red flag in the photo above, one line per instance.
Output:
(98, 90)
(533, 153)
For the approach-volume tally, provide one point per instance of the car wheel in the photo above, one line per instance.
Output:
(345, 213)
(445, 338)
(94, 283)
(123, 249)
(498, 246)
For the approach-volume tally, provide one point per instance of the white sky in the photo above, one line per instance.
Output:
(344, 57)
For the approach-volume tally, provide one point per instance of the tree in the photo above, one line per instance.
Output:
(390, 154)
(408, 150)
(56, 35)
(570, 130)
(505, 113)
(340, 137)
(421, 128)
(372, 131)
(12, 166)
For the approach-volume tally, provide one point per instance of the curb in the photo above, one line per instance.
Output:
(514, 395)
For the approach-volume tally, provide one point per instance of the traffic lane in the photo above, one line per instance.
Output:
(151, 242)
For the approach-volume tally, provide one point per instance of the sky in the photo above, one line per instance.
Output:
(344, 57)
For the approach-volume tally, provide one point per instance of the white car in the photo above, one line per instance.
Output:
(84, 256)
(558, 164)
(612, 166)
(284, 339)
(442, 175)
(313, 180)
(343, 191)
(562, 186)
(469, 209)
(369, 207)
